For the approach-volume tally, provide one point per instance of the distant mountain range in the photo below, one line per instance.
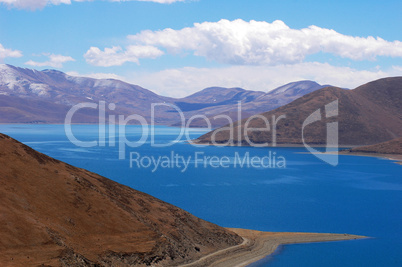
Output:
(369, 114)
(54, 214)
(224, 101)
(30, 96)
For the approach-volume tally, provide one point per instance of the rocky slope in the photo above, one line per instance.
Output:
(390, 147)
(54, 214)
(369, 114)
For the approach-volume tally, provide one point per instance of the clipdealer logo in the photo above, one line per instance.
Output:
(330, 155)
(112, 132)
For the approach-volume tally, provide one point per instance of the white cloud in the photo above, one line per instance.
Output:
(32, 4)
(155, 1)
(97, 75)
(55, 61)
(184, 81)
(5, 52)
(261, 43)
(116, 56)
(38, 4)
(397, 70)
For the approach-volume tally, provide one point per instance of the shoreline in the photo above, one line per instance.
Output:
(191, 142)
(257, 245)
(397, 158)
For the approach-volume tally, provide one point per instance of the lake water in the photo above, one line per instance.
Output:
(362, 195)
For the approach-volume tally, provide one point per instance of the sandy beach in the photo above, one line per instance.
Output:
(257, 245)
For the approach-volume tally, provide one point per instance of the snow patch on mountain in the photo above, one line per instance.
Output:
(39, 89)
(8, 78)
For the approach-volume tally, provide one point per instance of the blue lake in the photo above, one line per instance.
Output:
(362, 195)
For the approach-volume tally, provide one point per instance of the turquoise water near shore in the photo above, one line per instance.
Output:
(362, 195)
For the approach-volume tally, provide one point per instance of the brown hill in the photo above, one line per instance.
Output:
(369, 114)
(55, 214)
(390, 147)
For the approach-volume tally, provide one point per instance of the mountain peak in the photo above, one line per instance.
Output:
(305, 85)
(14, 68)
(216, 90)
(214, 94)
(6, 68)
(53, 71)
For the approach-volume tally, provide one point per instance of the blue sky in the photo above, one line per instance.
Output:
(257, 45)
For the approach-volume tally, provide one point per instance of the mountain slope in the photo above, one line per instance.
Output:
(56, 214)
(390, 147)
(289, 92)
(369, 114)
(295, 88)
(15, 109)
(222, 95)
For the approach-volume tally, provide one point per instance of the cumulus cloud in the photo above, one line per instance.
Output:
(55, 61)
(184, 81)
(38, 4)
(5, 52)
(116, 56)
(240, 42)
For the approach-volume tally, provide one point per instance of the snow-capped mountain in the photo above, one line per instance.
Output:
(65, 89)
(15, 82)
